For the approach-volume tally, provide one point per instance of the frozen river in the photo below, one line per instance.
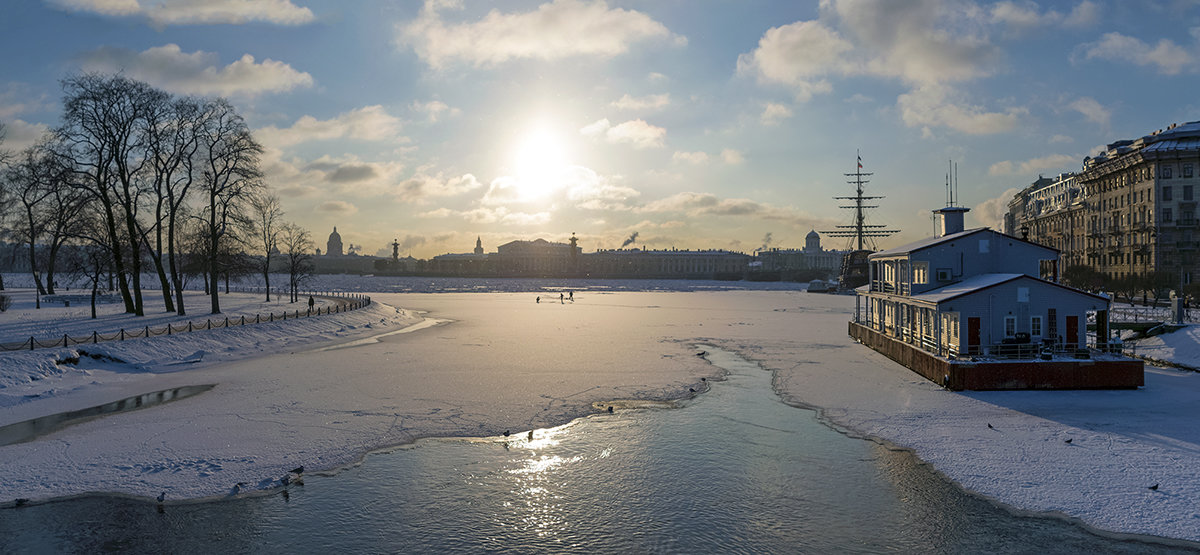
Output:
(732, 470)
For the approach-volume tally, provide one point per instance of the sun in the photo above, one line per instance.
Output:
(540, 162)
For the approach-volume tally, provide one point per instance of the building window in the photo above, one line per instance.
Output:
(1187, 170)
(920, 272)
(1166, 172)
(1166, 193)
(1167, 215)
(1035, 326)
(1187, 192)
(1010, 326)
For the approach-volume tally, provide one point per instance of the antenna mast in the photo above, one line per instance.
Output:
(860, 232)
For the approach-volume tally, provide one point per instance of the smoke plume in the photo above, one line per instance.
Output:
(630, 240)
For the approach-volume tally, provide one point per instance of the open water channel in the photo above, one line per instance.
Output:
(733, 470)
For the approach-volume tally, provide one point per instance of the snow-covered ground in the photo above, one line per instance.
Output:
(309, 394)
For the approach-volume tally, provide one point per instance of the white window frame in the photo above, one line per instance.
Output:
(920, 274)
(1035, 326)
(1010, 326)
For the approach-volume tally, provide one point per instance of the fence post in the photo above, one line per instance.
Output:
(243, 319)
(95, 337)
(64, 340)
(31, 343)
(226, 321)
(189, 326)
(207, 323)
(122, 334)
(147, 332)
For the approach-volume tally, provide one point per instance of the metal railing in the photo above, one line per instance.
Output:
(343, 302)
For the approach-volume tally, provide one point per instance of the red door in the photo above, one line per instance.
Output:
(1072, 332)
(973, 335)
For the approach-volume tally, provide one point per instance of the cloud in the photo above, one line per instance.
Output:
(1169, 58)
(339, 207)
(497, 215)
(774, 113)
(1091, 110)
(344, 176)
(699, 205)
(370, 123)
(938, 106)
(732, 157)
(926, 44)
(1061, 139)
(918, 41)
(795, 53)
(434, 109)
(422, 187)
(991, 212)
(634, 132)
(690, 157)
(1053, 163)
(172, 69)
(190, 12)
(19, 98)
(20, 134)
(1026, 14)
(644, 103)
(556, 30)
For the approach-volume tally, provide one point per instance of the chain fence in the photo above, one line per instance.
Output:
(343, 302)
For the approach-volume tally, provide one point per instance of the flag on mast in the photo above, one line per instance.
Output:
(860, 161)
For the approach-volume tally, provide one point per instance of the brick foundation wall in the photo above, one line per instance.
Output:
(1017, 374)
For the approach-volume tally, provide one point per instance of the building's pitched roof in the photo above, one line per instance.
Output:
(934, 241)
(977, 283)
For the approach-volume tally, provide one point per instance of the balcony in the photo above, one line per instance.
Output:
(1189, 222)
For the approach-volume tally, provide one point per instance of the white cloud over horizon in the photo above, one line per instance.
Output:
(636, 132)
(369, 123)
(555, 30)
(174, 70)
(188, 12)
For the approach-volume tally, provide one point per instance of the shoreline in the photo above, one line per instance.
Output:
(818, 413)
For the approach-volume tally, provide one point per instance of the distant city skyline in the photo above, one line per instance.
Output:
(696, 125)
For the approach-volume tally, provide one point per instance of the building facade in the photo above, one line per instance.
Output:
(1130, 211)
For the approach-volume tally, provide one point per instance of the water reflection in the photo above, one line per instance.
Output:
(734, 470)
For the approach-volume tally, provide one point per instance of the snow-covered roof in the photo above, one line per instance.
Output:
(980, 282)
(927, 242)
(933, 241)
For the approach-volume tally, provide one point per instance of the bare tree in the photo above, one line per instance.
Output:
(92, 260)
(297, 247)
(4, 204)
(32, 178)
(103, 131)
(266, 217)
(62, 216)
(230, 176)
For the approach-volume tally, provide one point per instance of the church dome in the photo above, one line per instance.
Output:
(334, 245)
(812, 234)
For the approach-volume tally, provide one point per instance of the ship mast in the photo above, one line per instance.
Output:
(860, 232)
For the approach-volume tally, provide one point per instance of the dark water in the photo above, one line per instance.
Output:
(735, 470)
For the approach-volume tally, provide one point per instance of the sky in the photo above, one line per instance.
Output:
(696, 124)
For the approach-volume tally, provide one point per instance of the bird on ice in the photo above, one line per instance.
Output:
(990, 426)
(161, 497)
(1068, 440)
(1154, 487)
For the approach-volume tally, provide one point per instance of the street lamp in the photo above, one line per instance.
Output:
(1025, 231)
